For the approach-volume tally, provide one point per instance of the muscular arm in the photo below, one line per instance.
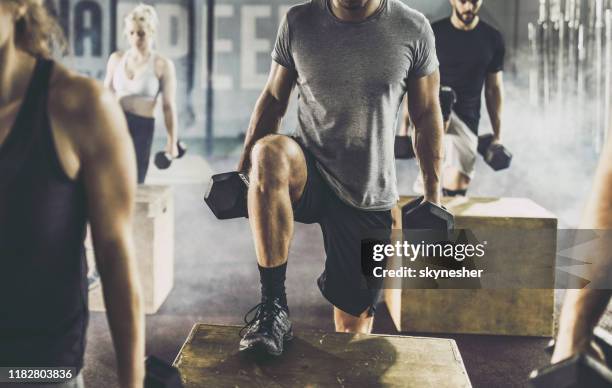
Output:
(169, 105)
(583, 308)
(269, 110)
(424, 109)
(97, 129)
(494, 97)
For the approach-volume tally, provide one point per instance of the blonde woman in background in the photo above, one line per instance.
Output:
(138, 76)
(65, 159)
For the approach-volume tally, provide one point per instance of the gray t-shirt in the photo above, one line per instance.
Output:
(351, 79)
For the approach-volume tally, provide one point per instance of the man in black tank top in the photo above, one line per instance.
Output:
(65, 159)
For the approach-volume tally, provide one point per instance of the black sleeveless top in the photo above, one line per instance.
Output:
(43, 287)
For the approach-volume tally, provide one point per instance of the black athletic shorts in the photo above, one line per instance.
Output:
(342, 282)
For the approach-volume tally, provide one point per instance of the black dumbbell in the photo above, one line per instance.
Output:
(495, 155)
(159, 374)
(426, 215)
(601, 337)
(579, 371)
(226, 195)
(428, 222)
(403, 147)
(447, 101)
(163, 160)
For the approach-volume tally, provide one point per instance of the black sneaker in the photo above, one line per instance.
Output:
(269, 328)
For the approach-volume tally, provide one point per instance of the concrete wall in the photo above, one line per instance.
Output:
(244, 35)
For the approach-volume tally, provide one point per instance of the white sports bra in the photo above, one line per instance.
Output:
(145, 85)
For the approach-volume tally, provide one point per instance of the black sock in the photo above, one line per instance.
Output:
(273, 283)
(454, 193)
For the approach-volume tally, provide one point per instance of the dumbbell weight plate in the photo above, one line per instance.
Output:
(575, 372)
(159, 374)
(484, 142)
(498, 157)
(226, 195)
(426, 215)
(428, 222)
(162, 160)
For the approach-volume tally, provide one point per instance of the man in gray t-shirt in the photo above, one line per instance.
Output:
(352, 62)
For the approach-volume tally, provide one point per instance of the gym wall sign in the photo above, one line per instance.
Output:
(86, 24)
(244, 38)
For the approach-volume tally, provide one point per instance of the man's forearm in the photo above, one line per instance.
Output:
(494, 100)
(428, 136)
(266, 119)
(123, 301)
(587, 304)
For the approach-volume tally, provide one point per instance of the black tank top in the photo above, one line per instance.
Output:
(43, 292)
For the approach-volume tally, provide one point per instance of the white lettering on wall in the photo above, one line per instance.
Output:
(250, 46)
(174, 41)
(222, 80)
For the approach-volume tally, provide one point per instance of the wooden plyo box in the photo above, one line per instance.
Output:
(510, 311)
(154, 247)
(210, 358)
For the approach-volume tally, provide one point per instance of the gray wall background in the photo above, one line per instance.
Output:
(245, 32)
(553, 160)
(244, 36)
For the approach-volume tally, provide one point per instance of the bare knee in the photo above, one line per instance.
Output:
(270, 167)
(278, 162)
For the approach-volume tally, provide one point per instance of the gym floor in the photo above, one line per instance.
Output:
(216, 281)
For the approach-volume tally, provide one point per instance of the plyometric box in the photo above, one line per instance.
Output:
(210, 358)
(154, 247)
(513, 310)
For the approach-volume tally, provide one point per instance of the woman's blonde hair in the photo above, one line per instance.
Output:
(144, 15)
(37, 32)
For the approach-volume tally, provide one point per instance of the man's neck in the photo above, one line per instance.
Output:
(357, 14)
(458, 23)
(15, 70)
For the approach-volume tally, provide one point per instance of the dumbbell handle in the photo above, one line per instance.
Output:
(244, 175)
(182, 150)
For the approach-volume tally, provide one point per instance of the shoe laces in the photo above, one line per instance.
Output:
(263, 311)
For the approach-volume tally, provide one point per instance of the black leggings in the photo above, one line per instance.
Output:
(141, 129)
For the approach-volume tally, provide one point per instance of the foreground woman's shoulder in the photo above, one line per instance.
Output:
(71, 92)
(78, 102)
